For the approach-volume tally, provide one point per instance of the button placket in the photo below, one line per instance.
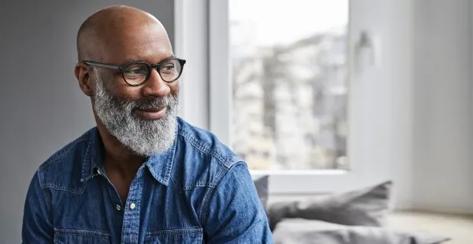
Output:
(131, 215)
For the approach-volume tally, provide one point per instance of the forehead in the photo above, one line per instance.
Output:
(148, 43)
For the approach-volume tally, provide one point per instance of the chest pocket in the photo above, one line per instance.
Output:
(184, 236)
(62, 236)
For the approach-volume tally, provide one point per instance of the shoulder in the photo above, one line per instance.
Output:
(207, 144)
(202, 160)
(62, 170)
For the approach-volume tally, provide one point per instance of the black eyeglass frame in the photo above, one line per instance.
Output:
(122, 68)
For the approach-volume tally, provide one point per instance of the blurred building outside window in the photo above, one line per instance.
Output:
(290, 83)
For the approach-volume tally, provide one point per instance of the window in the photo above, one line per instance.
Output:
(288, 66)
(378, 106)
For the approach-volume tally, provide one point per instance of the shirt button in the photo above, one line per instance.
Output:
(132, 205)
(118, 207)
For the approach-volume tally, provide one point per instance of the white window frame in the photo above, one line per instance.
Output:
(203, 25)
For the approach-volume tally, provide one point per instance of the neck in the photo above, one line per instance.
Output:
(118, 157)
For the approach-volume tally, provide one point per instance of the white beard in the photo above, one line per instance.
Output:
(144, 137)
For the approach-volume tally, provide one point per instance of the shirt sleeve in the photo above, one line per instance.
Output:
(37, 224)
(235, 213)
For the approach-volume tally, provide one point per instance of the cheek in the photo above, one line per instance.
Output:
(174, 88)
(119, 89)
(127, 93)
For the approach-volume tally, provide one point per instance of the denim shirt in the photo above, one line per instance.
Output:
(198, 191)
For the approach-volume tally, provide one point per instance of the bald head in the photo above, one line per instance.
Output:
(115, 26)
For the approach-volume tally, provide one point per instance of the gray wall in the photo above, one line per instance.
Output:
(41, 105)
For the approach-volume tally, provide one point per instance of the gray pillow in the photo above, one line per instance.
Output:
(300, 231)
(261, 184)
(367, 206)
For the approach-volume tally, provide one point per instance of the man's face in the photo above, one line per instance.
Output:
(143, 136)
(142, 118)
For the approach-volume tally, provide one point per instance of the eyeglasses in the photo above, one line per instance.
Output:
(137, 73)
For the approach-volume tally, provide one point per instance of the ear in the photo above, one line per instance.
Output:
(83, 77)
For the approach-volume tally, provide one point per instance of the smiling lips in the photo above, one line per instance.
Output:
(151, 113)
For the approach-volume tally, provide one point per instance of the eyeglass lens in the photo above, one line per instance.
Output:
(137, 73)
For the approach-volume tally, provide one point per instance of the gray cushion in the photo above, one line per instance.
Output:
(367, 206)
(261, 184)
(300, 231)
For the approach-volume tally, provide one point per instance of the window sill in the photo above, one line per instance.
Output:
(258, 173)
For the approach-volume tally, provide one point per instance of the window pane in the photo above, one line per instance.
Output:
(289, 74)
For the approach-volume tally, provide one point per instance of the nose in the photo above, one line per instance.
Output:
(155, 86)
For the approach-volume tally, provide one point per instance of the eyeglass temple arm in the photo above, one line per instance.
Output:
(110, 66)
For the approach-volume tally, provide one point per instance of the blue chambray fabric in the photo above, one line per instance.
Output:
(198, 191)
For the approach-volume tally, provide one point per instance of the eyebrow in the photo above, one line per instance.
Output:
(129, 61)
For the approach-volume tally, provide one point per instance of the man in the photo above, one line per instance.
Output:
(143, 175)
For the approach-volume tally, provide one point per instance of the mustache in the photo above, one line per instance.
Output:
(157, 102)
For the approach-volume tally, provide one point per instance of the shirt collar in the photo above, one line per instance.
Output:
(160, 165)
(93, 156)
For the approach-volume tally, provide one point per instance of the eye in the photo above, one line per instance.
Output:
(136, 69)
(168, 67)
(135, 73)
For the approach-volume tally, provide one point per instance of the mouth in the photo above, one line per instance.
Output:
(151, 113)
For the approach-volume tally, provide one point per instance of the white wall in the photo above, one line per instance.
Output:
(41, 106)
(381, 97)
(443, 128)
